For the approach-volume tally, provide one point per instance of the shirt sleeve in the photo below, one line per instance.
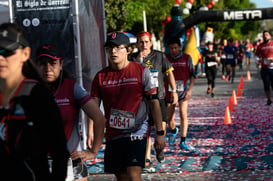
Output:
(166, 65)
(50, 126)
(148, 85)
(257, 52)
(80, 94)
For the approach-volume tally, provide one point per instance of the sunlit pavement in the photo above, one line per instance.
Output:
(240, 150)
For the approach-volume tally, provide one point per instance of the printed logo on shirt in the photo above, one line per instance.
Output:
(64, 101)
(149, 64)
(123, 81)
(19, 111)
(134, 160)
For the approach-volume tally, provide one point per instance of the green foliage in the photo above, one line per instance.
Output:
(127, 15)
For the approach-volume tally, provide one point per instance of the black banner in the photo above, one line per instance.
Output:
(224, 15)
(48, 22)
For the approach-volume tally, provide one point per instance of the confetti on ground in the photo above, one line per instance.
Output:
(242, 150)
(246, 144)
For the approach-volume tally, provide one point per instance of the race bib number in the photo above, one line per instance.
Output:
(230, 56)
(179, 86)
(210, 64)
(154, 75)
(122, 119)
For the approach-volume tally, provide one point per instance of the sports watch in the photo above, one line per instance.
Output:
(160, 133)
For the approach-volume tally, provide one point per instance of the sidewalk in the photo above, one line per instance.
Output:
(242, 150)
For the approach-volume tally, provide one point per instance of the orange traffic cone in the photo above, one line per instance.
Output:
(239, 93)
(227, 117)
(234, 99)
(248, 77)
(230, 105)
(242, 82)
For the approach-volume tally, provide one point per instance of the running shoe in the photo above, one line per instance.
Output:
(149, 167)
(268, 102)
(184, 146)
(208, 91)
(173, 136)
(227, 78)
(212, 94)
(159, 155)
(79, 169)
(223, 77)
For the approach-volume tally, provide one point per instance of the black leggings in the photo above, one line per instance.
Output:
(211, 75)
(223, 66)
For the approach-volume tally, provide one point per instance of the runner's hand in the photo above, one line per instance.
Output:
(159, 142)
(90, 141)
(83, 155)
(174, 98)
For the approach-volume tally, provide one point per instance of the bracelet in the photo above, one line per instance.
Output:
(173, 90)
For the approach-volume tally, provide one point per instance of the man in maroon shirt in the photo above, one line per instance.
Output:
(265, 54)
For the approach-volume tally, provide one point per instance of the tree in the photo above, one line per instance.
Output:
(126, 15)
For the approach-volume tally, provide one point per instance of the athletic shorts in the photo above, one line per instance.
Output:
(163, 107)
(122, 153)
(248, 54)
(181, 95)
(232, 63)
(267, 77)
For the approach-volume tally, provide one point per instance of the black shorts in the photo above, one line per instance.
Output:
(232, 63)
(163, 107)
(122, 153)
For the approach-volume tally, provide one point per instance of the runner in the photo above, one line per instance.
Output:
(183, 71)
(211, 61)
(265, 53)
(124, 87)
(231, 53)
(248, 53)
(70, 97)
(223, 58)
(31, 123)
(240, 54)
(159, 66)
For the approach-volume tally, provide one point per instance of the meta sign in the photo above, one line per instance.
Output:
(242, 15)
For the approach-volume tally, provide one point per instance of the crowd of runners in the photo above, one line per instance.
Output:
(139, 91)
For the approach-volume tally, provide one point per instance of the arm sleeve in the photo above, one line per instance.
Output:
(52, 130)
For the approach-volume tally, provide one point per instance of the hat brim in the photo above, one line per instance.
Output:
(47, 55)
(111, 43)
(8, 44)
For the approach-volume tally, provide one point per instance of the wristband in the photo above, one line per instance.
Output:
(174, 90)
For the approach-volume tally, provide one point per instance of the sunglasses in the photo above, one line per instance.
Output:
(6, 53)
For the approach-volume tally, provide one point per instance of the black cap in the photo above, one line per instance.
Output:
(209, 43)
(48, 51)
(176, 10)
(117, 38)
(11, 40)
